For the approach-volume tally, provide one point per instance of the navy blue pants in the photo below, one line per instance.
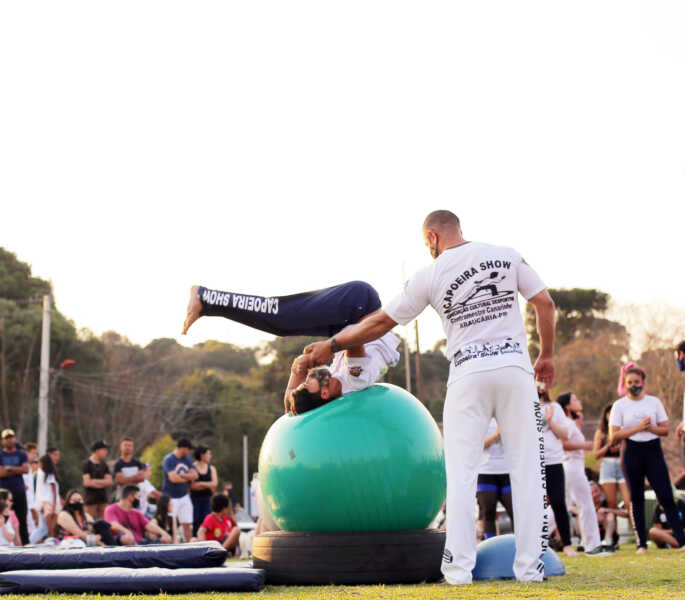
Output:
(318, 313)
(646, 459)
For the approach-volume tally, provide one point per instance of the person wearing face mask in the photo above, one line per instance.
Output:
(129, 524)
(74, 522)
(641, 420)
(577, 485)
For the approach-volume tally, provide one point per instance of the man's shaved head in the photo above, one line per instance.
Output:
(442, 221)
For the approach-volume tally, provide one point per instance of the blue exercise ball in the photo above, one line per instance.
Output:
(369, 461)
(495, 559)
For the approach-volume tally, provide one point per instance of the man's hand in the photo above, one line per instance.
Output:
(544, 370)
(319, 352)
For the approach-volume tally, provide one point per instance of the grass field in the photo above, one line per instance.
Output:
(658, 575)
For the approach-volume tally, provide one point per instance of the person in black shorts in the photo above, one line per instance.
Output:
(96, 480)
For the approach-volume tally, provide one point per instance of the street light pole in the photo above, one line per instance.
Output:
(44, 378)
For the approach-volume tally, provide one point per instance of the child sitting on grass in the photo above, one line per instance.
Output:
(219, 525)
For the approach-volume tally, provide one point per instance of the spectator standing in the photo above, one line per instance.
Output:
(493, 482)
(32, 519)
(577, 485)
(48, 500)
(96, 480)
(127, 470)
(610, 471)
(228, 491)
(201, 491)
(555, 432)
(14, 464)
(130, 524)
(179, 473)
(164, 518)
(641, 420)
(219, 525)
(147, 492)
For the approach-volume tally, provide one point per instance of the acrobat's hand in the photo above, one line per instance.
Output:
(320, 352)
(302, 364)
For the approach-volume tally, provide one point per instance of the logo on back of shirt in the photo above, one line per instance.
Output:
(486, 350)
(355, 371)
(484, 300)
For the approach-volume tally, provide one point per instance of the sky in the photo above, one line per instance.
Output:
(276, 147)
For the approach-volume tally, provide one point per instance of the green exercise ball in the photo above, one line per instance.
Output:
(368, 461)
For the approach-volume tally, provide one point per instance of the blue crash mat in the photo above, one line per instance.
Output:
(116, 580)
(171, 556)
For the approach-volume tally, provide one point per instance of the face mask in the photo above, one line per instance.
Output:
(681, 363)
(136, 503)
(76, 506)
(635, 390)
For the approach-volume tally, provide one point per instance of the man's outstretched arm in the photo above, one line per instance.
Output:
(368, 329)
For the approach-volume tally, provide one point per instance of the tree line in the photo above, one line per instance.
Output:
(215, 392)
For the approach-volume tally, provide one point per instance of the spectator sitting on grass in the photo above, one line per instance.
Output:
(9, 536)
(129, 524)
(164, 517)
(219, 525)
(661, 532)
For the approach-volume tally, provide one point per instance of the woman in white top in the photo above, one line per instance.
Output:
(555, 432)
(493, 482)
(8, 535)
(641, 420)
(577, 485)
(48, 501)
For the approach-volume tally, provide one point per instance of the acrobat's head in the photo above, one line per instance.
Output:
(316, 390)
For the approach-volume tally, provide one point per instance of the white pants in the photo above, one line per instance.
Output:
(510, 396)
(578, 490)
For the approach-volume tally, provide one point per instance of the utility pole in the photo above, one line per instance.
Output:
(417, 360)
(246, 489)
(44, 378)
(407, 366)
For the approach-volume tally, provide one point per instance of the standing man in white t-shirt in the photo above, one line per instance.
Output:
(490, 375)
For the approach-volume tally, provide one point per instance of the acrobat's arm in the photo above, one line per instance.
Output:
(298, 373)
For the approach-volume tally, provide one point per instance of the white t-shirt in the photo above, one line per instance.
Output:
(474, 288)
(44, 490)
(10, 530)
(554, 450)
(627, 413)
(145, 488)
(29, 488)
(495, 462)
(576, 436)
(361, 372)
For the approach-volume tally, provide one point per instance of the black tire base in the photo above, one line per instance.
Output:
(293, 558)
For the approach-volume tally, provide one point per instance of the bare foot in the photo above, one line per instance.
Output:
(641, 550)
(569, 551)
(194, 308)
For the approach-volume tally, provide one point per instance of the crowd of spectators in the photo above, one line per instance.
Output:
(116, 504)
